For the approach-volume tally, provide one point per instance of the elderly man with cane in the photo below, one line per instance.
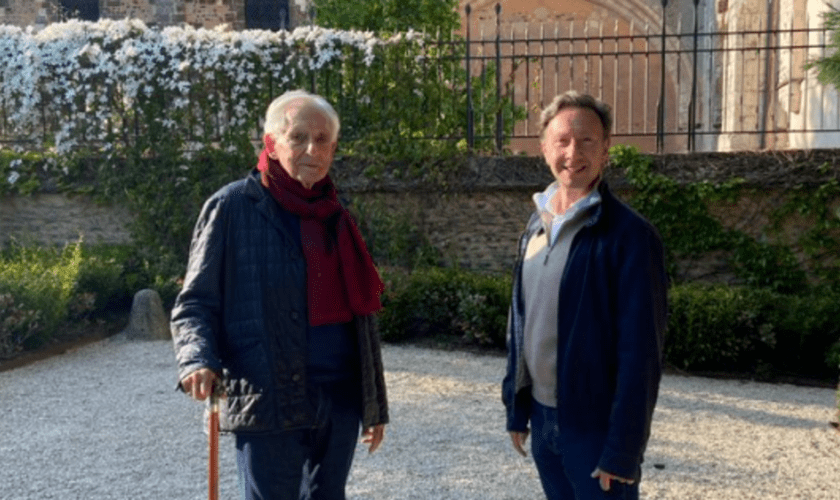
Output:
(277, 310)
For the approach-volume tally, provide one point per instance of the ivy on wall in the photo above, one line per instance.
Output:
(681, 213)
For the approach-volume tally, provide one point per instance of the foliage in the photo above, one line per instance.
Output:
(773, 320)
(20, 171)
(43, 288)
(166, 195)
(753, 330)
(36, 287)
(388, 15)
(680, 213)
(445, 302)
(159, 119)
(712, 327)
(808, 335)
(118, 90)
(110, 275)
(393, 240)
(717, 327)
(820, 242)
(828, 66)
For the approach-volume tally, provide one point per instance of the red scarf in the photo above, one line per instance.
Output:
(341, 278)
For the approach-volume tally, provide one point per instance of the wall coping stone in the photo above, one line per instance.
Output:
(773, 169)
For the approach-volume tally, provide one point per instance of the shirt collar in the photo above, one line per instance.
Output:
(542, 199)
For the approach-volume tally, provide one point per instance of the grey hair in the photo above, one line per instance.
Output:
(574, 99)
(277, 120)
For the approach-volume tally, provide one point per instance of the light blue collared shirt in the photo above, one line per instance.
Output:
(553, 222)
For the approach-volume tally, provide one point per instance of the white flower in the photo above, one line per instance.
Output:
(96, 73)
(13, 177)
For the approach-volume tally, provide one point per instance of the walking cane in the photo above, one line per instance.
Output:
(213, 442)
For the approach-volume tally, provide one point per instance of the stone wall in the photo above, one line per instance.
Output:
(58, 219)
(476, 222)
(198, 13)
(134, 9)
(211, 13)
(25, 12)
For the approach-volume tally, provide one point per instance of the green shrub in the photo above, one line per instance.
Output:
(718, 327)
(754, 330)
(391, 236)
(110, 275)
(36, 286)
(102, 278)
(807, 333)
(18, 323)
(43, 288)
(445, 302)
(712, 327)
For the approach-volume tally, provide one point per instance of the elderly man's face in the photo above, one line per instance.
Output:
(575, 148)
(305, 149)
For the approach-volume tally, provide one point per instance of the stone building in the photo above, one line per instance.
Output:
(754, 89)
(237, 14)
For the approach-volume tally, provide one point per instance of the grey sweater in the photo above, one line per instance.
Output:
(542, 271)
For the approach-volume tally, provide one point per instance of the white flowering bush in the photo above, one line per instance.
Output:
(160, 118)
(117, 90)
(112, 85)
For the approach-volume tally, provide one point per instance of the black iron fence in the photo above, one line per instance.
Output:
(672, 88)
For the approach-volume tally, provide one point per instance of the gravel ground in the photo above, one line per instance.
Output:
(103, 422)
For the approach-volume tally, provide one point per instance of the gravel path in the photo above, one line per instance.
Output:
(103, 422)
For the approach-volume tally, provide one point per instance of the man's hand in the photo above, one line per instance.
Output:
(373, 437)
(605, 478)
(199, 383)
(518, 439)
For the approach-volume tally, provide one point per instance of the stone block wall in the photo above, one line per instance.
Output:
(477, 223)
(199, 13)
(475, 230)
(135, 9)
(25, 12)
(57, 219)
(211, 13)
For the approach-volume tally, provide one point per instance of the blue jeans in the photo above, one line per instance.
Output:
(304, 464)
(565, 463)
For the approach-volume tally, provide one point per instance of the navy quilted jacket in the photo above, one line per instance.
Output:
(242, 313)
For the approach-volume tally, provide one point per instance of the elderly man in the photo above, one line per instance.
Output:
(587, 318)
(277, 311)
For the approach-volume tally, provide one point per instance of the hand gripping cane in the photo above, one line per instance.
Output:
(213, 442)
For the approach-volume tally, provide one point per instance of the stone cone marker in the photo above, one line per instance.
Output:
(147, 320)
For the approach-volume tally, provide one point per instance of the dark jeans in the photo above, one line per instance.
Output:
(565, 463)
(306, 464)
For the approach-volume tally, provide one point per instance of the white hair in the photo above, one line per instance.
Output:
(277, 120)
